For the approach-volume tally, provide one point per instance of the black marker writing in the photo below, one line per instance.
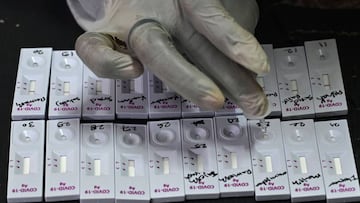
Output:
(197, 177)
(302, 180)
(268, 179)
(42, 99)
(229, 177)
(333, 94)
(131, 100)
(297, 99)
(352, 178)
(166, 99)
(64, 103)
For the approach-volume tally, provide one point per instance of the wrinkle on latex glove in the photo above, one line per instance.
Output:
(170, 66)
(236, 82)
(225, 52)
(99, 55)
(214, 22)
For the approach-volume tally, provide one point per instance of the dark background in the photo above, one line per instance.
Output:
(49, 24)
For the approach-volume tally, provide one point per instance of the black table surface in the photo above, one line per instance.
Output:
(43, 23)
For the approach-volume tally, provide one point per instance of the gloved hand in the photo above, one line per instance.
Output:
(123, 35)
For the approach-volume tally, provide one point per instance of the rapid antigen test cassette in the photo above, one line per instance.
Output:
(326, 78)
(131, 163)
(165, 161)
(132, 98)
(233, 156)
(98, 97)
(25, 174)
(294, 84)
(30, 97)
(337, 160)
(269, 84)
(163, 102)
(268, 160)
(199, 159)
(62, 172)
(303, 161)
(65, 97)
(97, 172)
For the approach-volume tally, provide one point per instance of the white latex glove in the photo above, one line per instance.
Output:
(123, 34)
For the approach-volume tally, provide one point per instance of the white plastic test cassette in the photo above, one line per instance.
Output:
(98, 97)
(229, 108)
(32, 82)
(233, 155)
(326, 78)
(131, 163)
(165, 161)
(199, 159)
(132, 98)
(268, 160)
(191, 110)
(294, 83)
(163, 102)
(269, 83)
(62, 181)
(337, 160)
(97, 163)
(25, 174)
(303, 161)
(65, 85)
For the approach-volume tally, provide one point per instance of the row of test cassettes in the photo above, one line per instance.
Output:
(304, 82)
(174, 160)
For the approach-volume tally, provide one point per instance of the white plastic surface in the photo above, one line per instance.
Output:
(233, 156)
(199, 158)
(163, 102)
(303, 161)
(268, 161)
(131, 163)
(32, 81)
(62, 181)
(98, 97)
(97, 175)
(132, 98)
(166, 185)
(191, 110)
(229, 109)
(326, 78)
(25, 174)
(335, 149)
(269, 83)
(65, 85)
(294, 84)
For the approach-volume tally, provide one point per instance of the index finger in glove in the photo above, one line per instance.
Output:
(236, 82)
(97, 51)
(211, 19)
(154, 48)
